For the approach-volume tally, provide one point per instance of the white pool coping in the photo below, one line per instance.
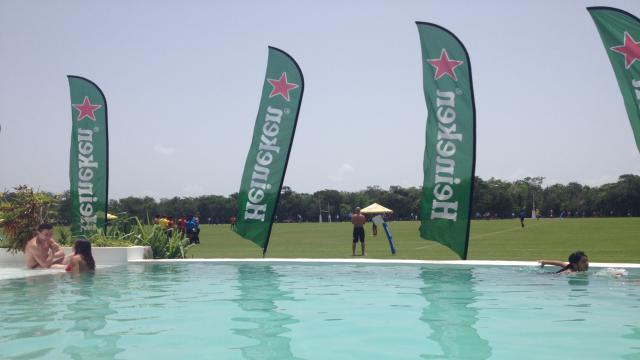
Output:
(379, 261)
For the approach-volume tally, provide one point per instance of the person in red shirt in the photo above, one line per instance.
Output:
(182, 224)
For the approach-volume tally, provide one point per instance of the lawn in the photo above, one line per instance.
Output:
(603, 239)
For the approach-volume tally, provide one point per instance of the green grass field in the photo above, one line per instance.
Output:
(603, 239)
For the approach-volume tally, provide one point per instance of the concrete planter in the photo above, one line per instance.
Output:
(102, 255)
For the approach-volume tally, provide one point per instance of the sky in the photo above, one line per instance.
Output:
(183, 81)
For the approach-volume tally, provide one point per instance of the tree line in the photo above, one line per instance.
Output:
(492, 198)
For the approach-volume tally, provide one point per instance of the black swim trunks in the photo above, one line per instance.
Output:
(358, 234)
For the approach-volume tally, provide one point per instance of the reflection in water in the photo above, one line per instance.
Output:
(259, 290)
(28, 312)
(89, 313)
(450, 294)
(578, 280)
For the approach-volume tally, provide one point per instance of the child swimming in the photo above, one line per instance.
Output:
(578, 262)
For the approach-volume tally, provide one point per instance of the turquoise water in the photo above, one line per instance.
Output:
(320, 311)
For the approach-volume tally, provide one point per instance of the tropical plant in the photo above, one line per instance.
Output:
(163, 245)
(22, 210)
(177, 246)
(63, 236)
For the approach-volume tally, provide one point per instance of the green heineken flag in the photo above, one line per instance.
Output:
(620, 33)
(449, 155)
(89, 160)
(269, 152)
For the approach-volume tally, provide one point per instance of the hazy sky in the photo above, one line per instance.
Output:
(183, 81)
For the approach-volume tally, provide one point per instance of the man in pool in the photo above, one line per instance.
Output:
(42, 251)
(358, 220)
(578, 261)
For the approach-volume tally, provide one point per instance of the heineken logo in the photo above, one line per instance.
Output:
(86, 109)
(445, 66)
(281, 86)
(87, 169)
(630, 50)
(267, 149)
(446, 147)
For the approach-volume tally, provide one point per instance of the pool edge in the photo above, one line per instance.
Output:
(378, 261)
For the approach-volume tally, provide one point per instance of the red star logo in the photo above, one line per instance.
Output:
(281, 86)
(630, 50)
(86, 109)
(445, 66)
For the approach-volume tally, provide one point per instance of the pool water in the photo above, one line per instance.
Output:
(321, 311)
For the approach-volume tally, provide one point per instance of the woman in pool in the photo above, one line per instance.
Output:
(81, 260)
(578, 261)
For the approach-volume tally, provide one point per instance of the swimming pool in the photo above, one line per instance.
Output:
(320, 311)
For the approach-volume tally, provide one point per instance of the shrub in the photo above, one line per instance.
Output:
(163, 246)
(22, 210)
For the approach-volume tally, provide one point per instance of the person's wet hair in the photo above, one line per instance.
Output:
(575, 257)
(82, 247)
(45, 226)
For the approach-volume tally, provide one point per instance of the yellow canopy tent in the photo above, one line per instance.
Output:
(376, 208)
(111, 217)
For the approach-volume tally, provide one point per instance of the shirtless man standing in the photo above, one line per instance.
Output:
(358, 221)
(42, 251)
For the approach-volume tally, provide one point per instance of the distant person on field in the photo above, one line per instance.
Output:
(522, 218)
(169, 228)
(42, 251)
(358, 220)
(193, 230)
(578, 261)
(197, 230)
(164, 222)
(374, 228)
(232, 221)
(182, 224)
(81, 260)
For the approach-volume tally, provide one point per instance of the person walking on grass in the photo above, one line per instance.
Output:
(358, 220)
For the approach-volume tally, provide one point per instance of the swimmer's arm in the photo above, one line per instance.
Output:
(56, 251)
(553, 262)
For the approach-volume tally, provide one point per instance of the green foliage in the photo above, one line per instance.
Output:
(63, 236)
(498, 197)
(129, 231)
(177, 246)
(163, 245)
(21, 211)
(122, 226)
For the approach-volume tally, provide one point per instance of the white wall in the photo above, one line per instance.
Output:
(102, 255)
